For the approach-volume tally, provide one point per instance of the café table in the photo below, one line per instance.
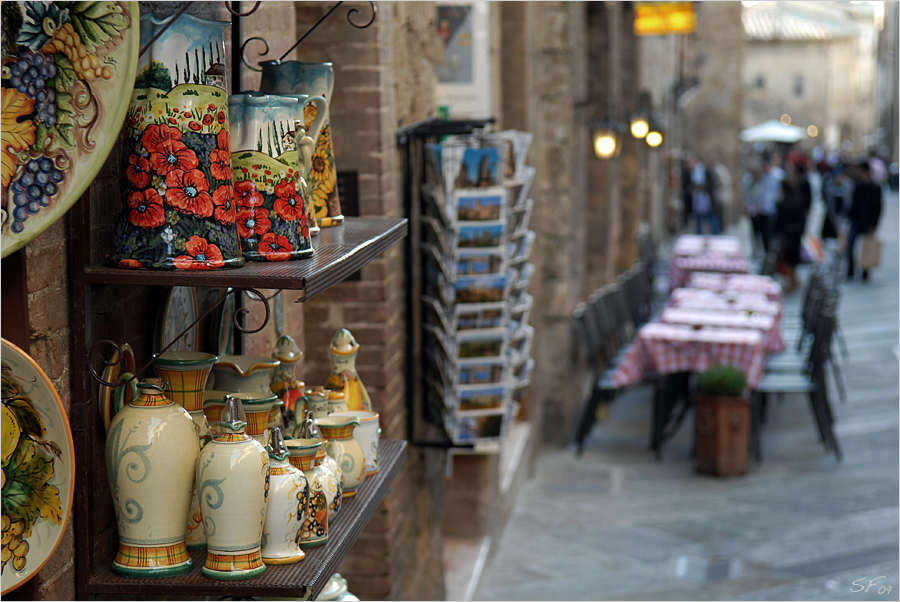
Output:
(767, 324)
(675, 351)
(698, 298)
(737, 283)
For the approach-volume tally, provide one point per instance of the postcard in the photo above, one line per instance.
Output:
(481, 398)
(472, 316)
(480, 235)
(482, 371)
(480, 262)
(518, 143)
(482, 289)
(481, 343)
(488, 204)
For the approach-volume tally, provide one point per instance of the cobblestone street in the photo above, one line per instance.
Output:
(618, 525)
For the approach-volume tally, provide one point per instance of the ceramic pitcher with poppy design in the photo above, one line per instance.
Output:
(272, 219)
(296, 77)
(176, 195)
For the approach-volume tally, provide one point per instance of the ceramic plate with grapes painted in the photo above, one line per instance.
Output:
(67, 69)
(38, 467)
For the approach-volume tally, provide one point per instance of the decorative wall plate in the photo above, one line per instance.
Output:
(68, 69)
(38, 467)
(223, 334)
(106, 395)
(179, 311)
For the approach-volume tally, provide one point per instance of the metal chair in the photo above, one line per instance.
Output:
(811, 381)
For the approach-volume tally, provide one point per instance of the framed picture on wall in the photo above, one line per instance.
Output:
(463, 58)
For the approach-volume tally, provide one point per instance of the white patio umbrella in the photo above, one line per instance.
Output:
(773, 131)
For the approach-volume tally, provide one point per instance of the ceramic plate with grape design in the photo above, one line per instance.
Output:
(38, 467)
(67, 66)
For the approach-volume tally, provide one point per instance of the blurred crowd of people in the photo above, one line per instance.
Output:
(778, 199)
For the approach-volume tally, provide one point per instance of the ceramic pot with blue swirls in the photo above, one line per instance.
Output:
(315, 79)
(338, 432)
(151, 450)
(232, 486)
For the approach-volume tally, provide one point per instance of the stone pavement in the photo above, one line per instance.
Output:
(618, 525)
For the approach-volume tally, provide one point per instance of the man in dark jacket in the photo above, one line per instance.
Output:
(864, 213)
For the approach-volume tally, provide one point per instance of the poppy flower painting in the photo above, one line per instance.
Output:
(189, 192)
(201, 255)
(146, 209)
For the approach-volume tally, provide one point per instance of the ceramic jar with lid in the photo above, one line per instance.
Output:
(232, 484)
(151, 450)
(338, 432)
(286, 507)
(344, 376)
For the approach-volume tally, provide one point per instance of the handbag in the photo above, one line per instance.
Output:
(869, 252)
(811, 249)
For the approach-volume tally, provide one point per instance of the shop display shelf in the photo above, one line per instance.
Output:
(304, 579)
(340, 252)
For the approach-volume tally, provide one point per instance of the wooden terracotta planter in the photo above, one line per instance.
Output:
(722, 435)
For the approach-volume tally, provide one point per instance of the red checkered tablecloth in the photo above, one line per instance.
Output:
(667, 348)
(681, 268)
(767, 324)
(737, 283)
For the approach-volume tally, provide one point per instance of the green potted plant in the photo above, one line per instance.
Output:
(722, 421)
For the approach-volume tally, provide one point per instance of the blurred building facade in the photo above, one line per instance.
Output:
(816, 62)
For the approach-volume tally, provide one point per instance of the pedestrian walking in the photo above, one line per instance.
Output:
(865, 211)
(769, 192)
(702, 196)
(790, 224)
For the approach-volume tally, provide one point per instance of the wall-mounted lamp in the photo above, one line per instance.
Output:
(606, 135)
(655, 131)
(640, 123)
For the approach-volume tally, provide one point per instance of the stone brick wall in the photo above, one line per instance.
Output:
(555, 63)
(384, 77)
(712, 121)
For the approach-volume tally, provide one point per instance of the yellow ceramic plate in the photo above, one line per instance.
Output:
(106, 395)
(53, 146)
(38, 467)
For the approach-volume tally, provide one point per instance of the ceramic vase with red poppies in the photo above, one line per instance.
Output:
(272, 216)
(176, 200)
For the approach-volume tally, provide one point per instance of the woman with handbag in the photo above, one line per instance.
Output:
(865, 211)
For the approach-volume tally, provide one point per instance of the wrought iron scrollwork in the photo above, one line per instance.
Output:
(350, 16)
(237, 318)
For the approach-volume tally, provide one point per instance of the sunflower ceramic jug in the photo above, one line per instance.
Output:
(176, 196)
(151, 450)
(295, 77)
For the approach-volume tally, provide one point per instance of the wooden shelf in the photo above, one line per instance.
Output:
(304, 579)
(340, 251)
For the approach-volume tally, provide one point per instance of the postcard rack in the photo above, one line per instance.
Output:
(467, 200)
